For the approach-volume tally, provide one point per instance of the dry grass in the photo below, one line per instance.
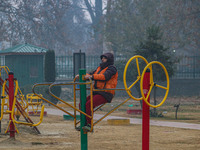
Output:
(58, 134)
(189, 109)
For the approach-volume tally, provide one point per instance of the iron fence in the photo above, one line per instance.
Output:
(188, 67)
(64, 66)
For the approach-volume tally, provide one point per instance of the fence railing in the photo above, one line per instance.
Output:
(187, 68)
(64, 66)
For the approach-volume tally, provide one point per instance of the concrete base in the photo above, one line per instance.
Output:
(118, 121)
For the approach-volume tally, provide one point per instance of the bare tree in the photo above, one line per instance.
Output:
(96, 15)
(38, 22)
(127, 20)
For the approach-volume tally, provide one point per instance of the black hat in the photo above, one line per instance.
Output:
(109, 57)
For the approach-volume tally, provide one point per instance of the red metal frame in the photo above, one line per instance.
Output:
(145, 112)
(11, 98)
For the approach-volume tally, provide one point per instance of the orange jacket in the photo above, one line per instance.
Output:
(104, 82)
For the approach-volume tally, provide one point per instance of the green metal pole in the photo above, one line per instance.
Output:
(83, 108)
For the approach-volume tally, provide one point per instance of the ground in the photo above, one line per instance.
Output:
(57, 134)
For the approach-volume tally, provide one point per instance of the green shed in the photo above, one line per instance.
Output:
(26, 61)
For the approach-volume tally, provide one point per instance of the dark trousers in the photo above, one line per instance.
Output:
(97, 100)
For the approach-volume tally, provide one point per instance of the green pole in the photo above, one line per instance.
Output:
(83, 108)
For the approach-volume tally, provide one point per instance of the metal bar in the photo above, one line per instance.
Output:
(91, 106)
(13, 109)
(111, 111)
(84, 140)
(11, 98)
(33, 89)
(0, 108)
(145, 112)
(66, 102)
(3, 99)
(19, 107)
(109, 89)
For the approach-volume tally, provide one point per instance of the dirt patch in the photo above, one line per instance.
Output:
(58, 134)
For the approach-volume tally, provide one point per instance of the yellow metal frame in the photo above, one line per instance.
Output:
(136, 57)
(20, 100)
(4, 96)
(23, 102)
(13, 109)
(69, 83)
(127, 89)
(3, 92)
(30, 98)
(6, 103)
(9, 125)
(152, 84)
(141, 77)
(5, 68)
(74, 107)
(3, 100)
(20, 96)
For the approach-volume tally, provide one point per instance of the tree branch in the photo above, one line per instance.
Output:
(89, 7)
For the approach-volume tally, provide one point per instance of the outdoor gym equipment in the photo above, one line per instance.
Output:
(74, 83)
(35, 103)
(140, 78)
(16, 103)
(138, 75)
(68, 83)
(152, 84)
(146, 84)
(13, 107)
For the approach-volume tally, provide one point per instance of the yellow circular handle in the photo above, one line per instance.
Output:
(152, 84)
(138, 77)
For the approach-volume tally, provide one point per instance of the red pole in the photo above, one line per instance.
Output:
(11, 98)
(145, 112)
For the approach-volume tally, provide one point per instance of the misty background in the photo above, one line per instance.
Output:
(167, 31)
(97, 26)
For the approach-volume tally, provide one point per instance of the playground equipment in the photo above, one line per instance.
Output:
(146, 85)
(13, 107)
(14, 103)
(35, 104)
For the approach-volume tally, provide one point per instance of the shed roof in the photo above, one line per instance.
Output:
(24, 49)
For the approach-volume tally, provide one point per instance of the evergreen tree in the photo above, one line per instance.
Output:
(152, 49)
(50, 68)
(50, 74)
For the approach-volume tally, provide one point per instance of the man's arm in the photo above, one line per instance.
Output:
(107, 74)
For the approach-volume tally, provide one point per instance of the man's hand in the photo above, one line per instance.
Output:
(77, 77)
